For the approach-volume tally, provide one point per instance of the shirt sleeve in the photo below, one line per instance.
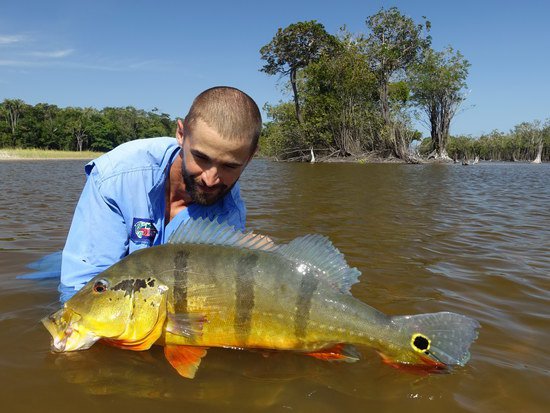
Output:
(98, 236)
(235, 210)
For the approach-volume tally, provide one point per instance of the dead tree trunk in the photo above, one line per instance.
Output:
(538, 158)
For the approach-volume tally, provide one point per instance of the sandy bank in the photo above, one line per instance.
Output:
(36, 155)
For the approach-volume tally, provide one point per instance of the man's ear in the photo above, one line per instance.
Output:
(179, 132)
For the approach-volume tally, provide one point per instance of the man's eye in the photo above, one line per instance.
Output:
(200, 156)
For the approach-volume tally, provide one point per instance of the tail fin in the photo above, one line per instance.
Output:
(444, 337)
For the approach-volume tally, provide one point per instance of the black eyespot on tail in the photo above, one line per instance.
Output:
(420, 343)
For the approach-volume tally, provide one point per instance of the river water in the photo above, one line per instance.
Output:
(469, 239)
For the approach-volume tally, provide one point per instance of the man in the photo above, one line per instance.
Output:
(138, 193)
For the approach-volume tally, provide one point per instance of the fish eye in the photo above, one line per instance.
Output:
(101, 286)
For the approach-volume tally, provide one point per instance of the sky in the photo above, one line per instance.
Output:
(161, 54)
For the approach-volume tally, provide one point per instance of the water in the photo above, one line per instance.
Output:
(469, 239)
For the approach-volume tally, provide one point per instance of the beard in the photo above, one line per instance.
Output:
(197, 190)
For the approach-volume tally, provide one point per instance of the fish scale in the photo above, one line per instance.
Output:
(280, 301)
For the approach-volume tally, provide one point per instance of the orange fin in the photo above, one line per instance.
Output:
(339, 352)
(185, 359)
(430, 366)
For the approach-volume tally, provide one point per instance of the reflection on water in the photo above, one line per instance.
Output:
(473, 240)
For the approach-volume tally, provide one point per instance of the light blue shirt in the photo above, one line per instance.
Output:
(122, 209)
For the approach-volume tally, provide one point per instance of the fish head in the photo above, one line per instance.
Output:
(126, 311)
(66, 331)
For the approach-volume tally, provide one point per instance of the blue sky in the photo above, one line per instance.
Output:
(163, 53)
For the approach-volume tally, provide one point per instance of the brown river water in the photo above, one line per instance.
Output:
(469, 239)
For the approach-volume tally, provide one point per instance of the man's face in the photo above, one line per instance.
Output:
(211, 164)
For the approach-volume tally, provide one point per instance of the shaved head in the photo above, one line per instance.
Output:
(231, 112)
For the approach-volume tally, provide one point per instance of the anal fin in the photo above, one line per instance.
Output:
(339, 352)
(185, 359)
(429, 366)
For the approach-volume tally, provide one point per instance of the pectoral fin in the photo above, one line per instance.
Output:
(185, 359)
(186, 325)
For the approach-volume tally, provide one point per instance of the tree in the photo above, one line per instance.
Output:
(281, 137)
(438, 84)
(294, 48)
(531, 134)
(544, 137)
(77, 123)
(46, 126)
(340, 97)
(394, 43)
(13, 109)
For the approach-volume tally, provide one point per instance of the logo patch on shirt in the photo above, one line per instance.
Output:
(143, 231)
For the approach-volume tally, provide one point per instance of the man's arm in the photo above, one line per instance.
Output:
(98, 237)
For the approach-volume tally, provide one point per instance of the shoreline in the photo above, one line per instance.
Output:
(19, 159)
(44, 155)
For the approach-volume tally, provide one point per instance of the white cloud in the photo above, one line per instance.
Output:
(8, 62)
(55, 54)
(103, 66)
(12, 38)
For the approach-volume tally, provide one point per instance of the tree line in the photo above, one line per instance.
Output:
(48, 126)
(528, 141)
(357, 93)
(351, 94)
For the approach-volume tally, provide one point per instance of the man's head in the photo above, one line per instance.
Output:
(218, 137)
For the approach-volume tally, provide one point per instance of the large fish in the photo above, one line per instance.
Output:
(214, 286)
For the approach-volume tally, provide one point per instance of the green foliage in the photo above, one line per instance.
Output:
(399, 93)
(282, 136)
(293, 49)
(12, 111)
(340, 101)
(358, 92)
(520, 144)
(439, 76)
(438, 83)
(338, 111)
(50, 127)
(395, 41)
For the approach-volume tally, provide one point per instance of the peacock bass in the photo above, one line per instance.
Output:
(214, 286)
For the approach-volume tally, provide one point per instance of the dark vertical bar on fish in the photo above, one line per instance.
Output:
(180, 281)
(308, 286)
(244, 295)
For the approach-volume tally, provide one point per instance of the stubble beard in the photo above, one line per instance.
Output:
(192, 186)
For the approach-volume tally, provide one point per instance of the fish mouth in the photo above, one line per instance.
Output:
(67, 334)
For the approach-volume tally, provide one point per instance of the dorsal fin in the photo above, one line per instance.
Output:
(314, 250)
(205, 231)
(317, 250)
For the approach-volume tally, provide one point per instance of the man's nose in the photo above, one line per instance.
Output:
(210, 176)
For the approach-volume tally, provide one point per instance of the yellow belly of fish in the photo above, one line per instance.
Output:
(267, 331)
